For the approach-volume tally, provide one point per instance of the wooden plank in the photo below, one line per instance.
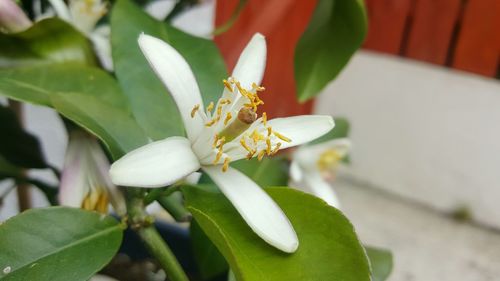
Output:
(431, 30)
(478, 46)
(386, 26)
(267, 17)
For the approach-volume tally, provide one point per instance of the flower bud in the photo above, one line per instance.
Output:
(12, 17)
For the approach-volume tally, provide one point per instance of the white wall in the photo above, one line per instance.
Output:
(425, 132)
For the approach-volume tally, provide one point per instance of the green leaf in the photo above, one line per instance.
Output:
(341, 130)
(336, 31)
(18, 146)
(57, 243)
(7, 170)
(381, 263)
(328, 247)
(209, 260)
(47, 41)
(268, 172)
(151, 104)
(88, 96)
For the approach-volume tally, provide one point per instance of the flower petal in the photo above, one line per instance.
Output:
(177, 76)
(308, 155)
(156, 164)
(252, 62)
(320, 188)
(74, 186)
(260, 212)
(102, 45)
(296, 173)
(62, 10)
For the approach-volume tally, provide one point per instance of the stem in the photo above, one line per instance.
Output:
(142, 223)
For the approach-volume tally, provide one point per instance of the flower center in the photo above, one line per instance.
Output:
(232, 118)
(329, 160)
(96, 200)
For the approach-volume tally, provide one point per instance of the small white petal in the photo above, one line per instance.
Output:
(320, 188)
(61, 9)
(295, 171)
(74, 186)
(160, 9)
(102, 46)
(252, 62)
(308, 155)
(256, 207)
(177, 76)
(156, 164)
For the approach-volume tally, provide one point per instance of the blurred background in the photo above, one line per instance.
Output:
(423, 101)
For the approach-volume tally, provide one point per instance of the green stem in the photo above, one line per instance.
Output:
(142, 223)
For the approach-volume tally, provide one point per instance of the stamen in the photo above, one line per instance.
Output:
(218, 156)
(268, 148)
(261, 155)
(228, 117)
(245, 146)
(225, 166)
(282, 137)
(193, 111)
(264, 119)
(276, 148)
(269, 131)
(228, 85)
(256, 136)
(216, 140)
(210, 107)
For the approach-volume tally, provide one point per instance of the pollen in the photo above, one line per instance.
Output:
(228, 86)
(210, 107)
(268, 146)
(194, 110)
(261, 155)
(228, 118)
(245, 146)
(225, 166)
(264, 119)
(276, 148)
(269, 131)
(281, 137)
(218, 156)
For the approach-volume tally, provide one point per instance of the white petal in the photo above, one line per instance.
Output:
(301, 129)
(102, 46)
(177, 76)
(295, 171)
(308, 155)
(156, 164)
(252, 62)
(260, 212)
(74, 185)
(160, 9)
(62, 10)
(320, 188)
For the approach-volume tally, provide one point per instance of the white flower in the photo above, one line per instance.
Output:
(84, 15)
(85, 181)
(214, 139)
(313, 165)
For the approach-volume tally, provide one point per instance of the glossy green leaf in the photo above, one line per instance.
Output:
(57, 244)
(336, 31)
(18, 146)
(341, 130)
(47, 41)
(209, 260)
(329, 248)
(381, 263)
(151, 104)
(268, 172)
(88, 96)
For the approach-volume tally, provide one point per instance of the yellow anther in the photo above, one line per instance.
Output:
(218, 156)
(221, 142)
(224, 101)
(228, 86)
(210, 107)
(276, 148)
(268, 148)
(269, 131)
(256, 136)
(211, 122)
(228, 117)
(261, 155)
(281, 137)
(250, 155)
(193, 111)
(258, 88)
(225, 166)
(216, 140)
(264, 118)
(245, 146)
